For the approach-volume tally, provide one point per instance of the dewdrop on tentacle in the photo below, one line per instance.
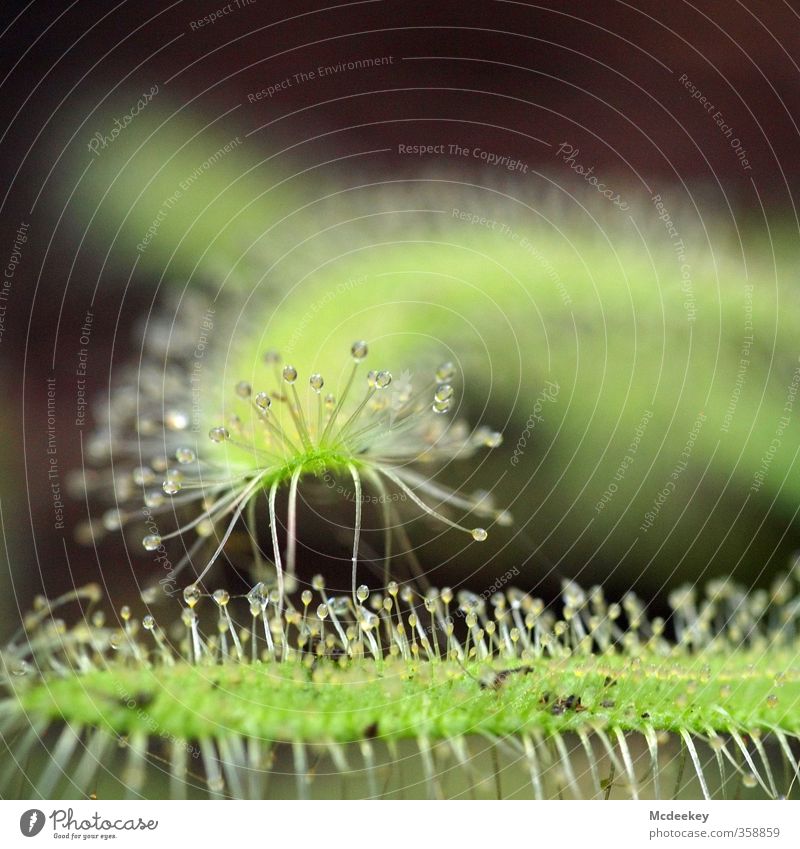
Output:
(279, 428)
(374, 436)
(561, 677)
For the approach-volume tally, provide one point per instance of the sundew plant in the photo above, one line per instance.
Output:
(273, 439)
(401, 402)
(367, 681)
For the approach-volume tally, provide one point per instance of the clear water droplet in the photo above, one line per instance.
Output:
(185, 455)
(154, 498)
(113, 520)
(218, 434)
(191, 594)
(445, 372)
(443, 392)
(171, 486)
(176, 420)
(492, 439)
(143, 476)
(257, 594)
(204, 528)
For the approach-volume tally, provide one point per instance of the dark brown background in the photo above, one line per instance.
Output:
(601, 73)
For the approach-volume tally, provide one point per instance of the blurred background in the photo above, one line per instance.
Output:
(589, 206)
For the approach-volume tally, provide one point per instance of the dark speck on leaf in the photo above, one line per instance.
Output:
(495, 682)
(137, 700)
(571, 702)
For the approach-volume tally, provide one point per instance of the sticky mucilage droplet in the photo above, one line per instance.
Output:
(218, 434)
(151, 542)
(358, 350)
